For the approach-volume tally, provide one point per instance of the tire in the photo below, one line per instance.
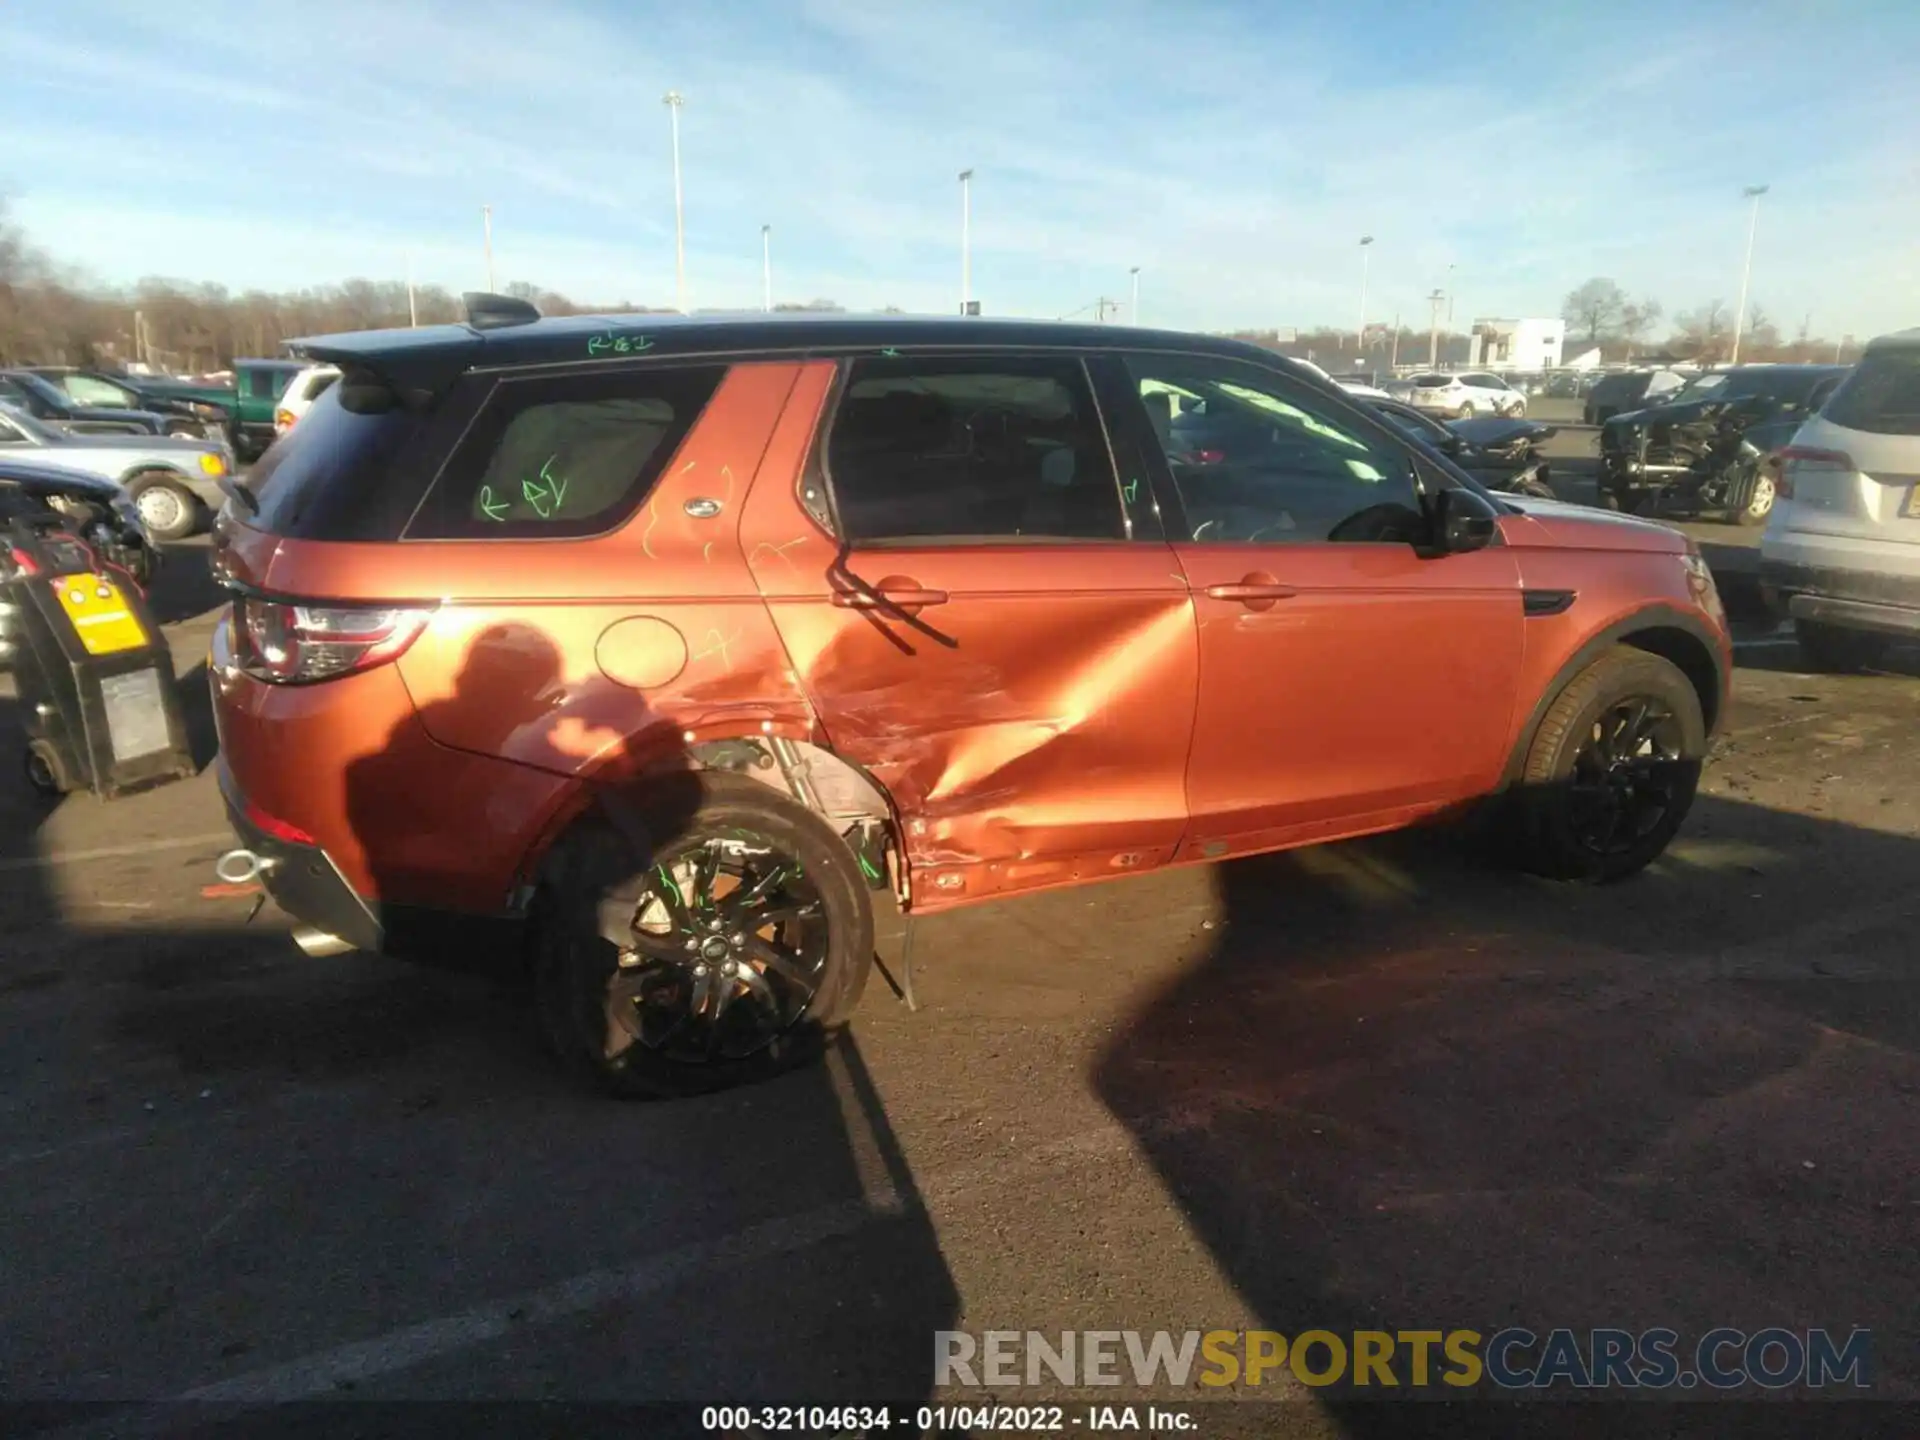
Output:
(167, 508)
(1465, 412)
(46, 776)
(1754, 499)
(633, 1017)
(1831, 650)
(1568, 790)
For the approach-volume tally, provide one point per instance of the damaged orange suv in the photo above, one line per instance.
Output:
(657, 647)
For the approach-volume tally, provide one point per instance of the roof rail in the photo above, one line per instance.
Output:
(495, 312)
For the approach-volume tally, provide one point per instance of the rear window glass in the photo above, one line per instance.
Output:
(1430, 381)
(1882, 396)
(564, 456)
(332, 477)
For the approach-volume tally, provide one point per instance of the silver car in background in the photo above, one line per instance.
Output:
(1841, 556)
(174, 483)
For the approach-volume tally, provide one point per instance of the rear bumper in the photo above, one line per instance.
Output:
(302, 879)
(1858, 599)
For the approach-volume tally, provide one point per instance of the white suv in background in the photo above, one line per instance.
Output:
(306, 387)
(1462, 396)
(1841, 555)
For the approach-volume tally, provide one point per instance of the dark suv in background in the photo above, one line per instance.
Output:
(1705, 447)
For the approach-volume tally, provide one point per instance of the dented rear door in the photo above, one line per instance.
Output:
(997, 642)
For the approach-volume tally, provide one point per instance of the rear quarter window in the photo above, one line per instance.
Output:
(564, 456)
(353, 468)
(1882, 396)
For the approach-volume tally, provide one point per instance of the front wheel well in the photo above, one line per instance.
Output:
(1691, 657)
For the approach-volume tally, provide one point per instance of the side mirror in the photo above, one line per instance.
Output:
(1459, 525)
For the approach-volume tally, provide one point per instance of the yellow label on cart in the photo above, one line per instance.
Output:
(100, 614)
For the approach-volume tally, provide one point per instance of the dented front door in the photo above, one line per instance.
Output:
(1027, 706)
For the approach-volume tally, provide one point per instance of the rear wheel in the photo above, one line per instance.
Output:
(1611, 772)
(724, 944)
(1465, 412)
(166, 507)
(1834, 651)
(1754, 497)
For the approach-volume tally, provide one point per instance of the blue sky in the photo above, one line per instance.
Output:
(1234, 151)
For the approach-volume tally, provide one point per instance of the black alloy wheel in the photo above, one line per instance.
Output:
(1611, 770)
(716, 934)
(1628, 775)
(727, 951)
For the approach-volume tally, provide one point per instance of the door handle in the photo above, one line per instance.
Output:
(885, 598)
(1248, 591)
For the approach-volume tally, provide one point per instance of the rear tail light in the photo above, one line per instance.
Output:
(1807, 462)
(289, 643)
(1210, 457)
(19, 562)
(283, 419)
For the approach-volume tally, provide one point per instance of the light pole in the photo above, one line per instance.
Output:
(1753, 193)
(1449, 297)
(1360, 335)
(673, 102)
(766, 266)
(1433, 339)
(486, 224)
(1134, 314)
(966, 239)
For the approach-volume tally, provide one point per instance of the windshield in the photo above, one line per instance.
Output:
(1729, 385)
(28, 426)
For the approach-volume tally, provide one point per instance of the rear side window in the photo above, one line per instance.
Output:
(318, 385)
(564, 456)
(1882, 396)
(996, 448)
(340, 474)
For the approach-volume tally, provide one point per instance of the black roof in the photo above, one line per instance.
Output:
(433, 354)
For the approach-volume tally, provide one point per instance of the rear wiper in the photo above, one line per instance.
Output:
(240, 495)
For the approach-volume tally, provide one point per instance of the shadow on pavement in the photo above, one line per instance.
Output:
(1574, 1121)
(299, 1181)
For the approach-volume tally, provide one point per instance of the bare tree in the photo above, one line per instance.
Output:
(1637, 317)
(1760, 334)
(1595, 308)
(1703, 331)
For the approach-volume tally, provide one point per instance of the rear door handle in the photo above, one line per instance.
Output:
(881, 598)
(1246, 592)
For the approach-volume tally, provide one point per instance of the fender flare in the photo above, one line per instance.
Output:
(1651, 617)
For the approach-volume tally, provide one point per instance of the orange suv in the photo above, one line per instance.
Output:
(655, 647)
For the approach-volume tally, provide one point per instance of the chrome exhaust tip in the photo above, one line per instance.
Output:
(241, 867)
(318, 943)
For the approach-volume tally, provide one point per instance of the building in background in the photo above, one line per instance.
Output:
(1525, 345)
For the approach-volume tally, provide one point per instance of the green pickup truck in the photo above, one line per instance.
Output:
(257, 388)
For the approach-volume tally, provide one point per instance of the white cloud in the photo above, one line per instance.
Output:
(1235, 153)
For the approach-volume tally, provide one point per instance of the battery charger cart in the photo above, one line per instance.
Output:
(92, 672)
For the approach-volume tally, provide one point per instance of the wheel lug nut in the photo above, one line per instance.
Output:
(737, 939)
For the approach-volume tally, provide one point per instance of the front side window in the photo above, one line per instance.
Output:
(563, 456)
(1002, 448)
(1255, 460)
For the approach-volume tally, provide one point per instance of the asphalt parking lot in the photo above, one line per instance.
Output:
(1366, 1085)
